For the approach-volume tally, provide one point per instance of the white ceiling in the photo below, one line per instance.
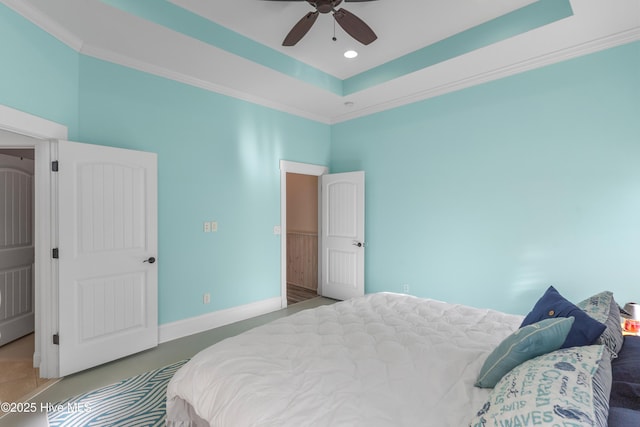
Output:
(97, 29)
(402, 26)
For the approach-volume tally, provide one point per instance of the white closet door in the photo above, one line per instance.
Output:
(16, 248)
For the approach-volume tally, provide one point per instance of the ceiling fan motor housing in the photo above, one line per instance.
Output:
(325, 6)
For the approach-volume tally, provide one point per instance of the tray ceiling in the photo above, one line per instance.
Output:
(425, 47)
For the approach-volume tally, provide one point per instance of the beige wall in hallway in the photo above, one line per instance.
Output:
(302, 203)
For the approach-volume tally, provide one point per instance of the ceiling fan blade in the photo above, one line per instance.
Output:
(300, 29)
(348, 1)
(355, 26)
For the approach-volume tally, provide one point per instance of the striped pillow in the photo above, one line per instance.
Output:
(603, 308)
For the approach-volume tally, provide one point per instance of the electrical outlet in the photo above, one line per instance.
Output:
(206, 298)
(207, 227)
(405, 288)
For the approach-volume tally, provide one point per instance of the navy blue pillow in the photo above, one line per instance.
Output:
(585, 329)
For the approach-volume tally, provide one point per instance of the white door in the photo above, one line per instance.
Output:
(108, 279)
(16, 248)
(342, 235)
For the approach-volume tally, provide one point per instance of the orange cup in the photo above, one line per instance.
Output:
(632, 326)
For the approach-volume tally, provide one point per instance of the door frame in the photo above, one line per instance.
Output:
(45, 234)
(302, 169)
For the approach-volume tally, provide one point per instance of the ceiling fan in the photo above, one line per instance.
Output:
(349, 22)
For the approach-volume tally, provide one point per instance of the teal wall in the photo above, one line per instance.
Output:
(218, 159)
(483, 196)
(38, 73)
(488, 195)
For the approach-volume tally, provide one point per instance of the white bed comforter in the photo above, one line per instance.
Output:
(380, 360)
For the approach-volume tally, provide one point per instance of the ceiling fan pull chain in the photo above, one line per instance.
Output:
(334, 29)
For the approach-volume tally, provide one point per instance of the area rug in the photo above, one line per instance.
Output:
(136, 401)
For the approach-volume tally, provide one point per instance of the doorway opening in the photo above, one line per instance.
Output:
(302, 237)
(20, 130)
(17, 276)
(299, 182)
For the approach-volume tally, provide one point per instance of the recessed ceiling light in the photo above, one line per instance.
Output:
(350, 54)
(348, 104)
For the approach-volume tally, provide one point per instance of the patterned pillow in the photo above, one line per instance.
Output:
(603, 308)
(597, 306)
(524, 344)
(553, 389)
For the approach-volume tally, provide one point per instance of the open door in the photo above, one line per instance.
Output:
(342, 244)
(107, 214)
(16, 248)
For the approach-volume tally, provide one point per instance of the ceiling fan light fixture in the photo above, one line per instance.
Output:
(350, 54)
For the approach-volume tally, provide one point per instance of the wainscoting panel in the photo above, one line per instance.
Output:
(302, 259)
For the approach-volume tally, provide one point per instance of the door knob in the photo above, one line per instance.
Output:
(358, 244)
(151, 260)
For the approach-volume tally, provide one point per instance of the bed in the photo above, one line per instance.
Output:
(380, 360)
(624, 408)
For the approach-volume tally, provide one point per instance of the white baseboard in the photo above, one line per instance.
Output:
(193, 325)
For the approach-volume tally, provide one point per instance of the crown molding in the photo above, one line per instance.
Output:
(129, 62)
(593, 46)
(44, 22)
(38, 18)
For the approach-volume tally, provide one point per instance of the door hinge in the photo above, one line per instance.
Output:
(55, 253)
(56, 339)
(54, 166)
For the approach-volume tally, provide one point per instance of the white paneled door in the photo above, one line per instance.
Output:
(107, 214)
(342, 235)
(16, 248)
